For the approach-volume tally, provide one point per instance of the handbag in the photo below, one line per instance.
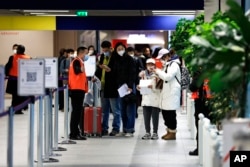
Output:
(130, 98)
(159, 84)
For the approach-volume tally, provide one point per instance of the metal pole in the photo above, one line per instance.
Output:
(46, 132)
(51, 126)
(56, 148)
(31, 134)
(40, 134)
(10, 137)
(66, 122)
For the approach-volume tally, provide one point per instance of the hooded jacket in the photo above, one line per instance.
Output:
(171, 92)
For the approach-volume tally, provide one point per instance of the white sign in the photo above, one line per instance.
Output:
(90, 66)
(2, 76)
(51, 73)
(31, 79)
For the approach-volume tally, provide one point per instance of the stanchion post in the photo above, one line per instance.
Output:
(40, 133)
(56, 148)
(51, 125)
(66, 113)
(47, 128)
(31, 133)
(10, 137)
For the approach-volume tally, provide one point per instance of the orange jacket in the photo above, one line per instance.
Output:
(14, 68)
(77, 81)
(195, 95)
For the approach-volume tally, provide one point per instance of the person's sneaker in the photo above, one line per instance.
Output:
(113, 133)
(105, 133)
(147, 136)
(121, 134)
(129, 135)
(154, 136)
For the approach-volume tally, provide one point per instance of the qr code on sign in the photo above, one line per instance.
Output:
(47, 70)
(31, 76)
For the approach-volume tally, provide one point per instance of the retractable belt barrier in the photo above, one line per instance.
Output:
(45, 144)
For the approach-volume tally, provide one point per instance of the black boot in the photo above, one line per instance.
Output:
(194, 152)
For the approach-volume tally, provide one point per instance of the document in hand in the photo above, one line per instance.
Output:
(144, 89)
(123, 90)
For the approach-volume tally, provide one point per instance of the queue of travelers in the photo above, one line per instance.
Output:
(117, 66)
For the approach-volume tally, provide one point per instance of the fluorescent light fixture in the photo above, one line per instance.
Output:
(55, 15)
(142, 39)
(46, 11)
(173, 11)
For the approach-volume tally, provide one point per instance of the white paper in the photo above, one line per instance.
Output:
(90, 66)
(51, 73)
(31, 79)
(144, 83)
(123, 90)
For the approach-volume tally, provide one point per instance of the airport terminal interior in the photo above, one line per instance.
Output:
(36, 139)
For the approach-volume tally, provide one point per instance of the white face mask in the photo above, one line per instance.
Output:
(132, 55)
(90, 52)
(14, 51)
(121, 52)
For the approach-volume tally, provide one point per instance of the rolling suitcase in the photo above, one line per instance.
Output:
(93, 115)
(93, 121)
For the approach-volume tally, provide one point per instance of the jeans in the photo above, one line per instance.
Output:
(148, 113)
(114, 105)
(128, 111)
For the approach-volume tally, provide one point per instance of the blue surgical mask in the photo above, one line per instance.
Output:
(106, 54)
(86, 57)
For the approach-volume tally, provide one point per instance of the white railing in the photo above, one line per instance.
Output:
(210, 143)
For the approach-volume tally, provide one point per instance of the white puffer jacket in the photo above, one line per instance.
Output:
(152, 99)
(171, 91)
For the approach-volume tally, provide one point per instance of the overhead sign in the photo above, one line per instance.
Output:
(51, 73)
(31, 80)
(132, 22)
(2, 76)
(82, 13)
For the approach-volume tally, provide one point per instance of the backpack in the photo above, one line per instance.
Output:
(185, 77)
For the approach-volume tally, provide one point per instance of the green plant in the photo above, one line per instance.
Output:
(223, 53)
(179, 39)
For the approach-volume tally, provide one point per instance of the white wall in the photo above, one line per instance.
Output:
(37, 43)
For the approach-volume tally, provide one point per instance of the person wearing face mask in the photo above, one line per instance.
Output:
(78, 86)
(150, 102)
(139, 68)
(124, 71)
(171, 92)
(64, 65)
(11, 70)
(109, 94)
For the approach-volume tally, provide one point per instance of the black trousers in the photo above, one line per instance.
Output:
(200, 107)
(170, 120)
(16, 100)
(77, 97)
(61, 95)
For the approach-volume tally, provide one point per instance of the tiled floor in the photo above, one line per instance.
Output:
(105, 151)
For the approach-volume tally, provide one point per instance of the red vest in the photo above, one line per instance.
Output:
(77, 81)
(14, 69)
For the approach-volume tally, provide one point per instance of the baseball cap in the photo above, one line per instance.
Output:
(162, 52)
(150, 60)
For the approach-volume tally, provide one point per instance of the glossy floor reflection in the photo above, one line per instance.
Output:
(105, 151)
